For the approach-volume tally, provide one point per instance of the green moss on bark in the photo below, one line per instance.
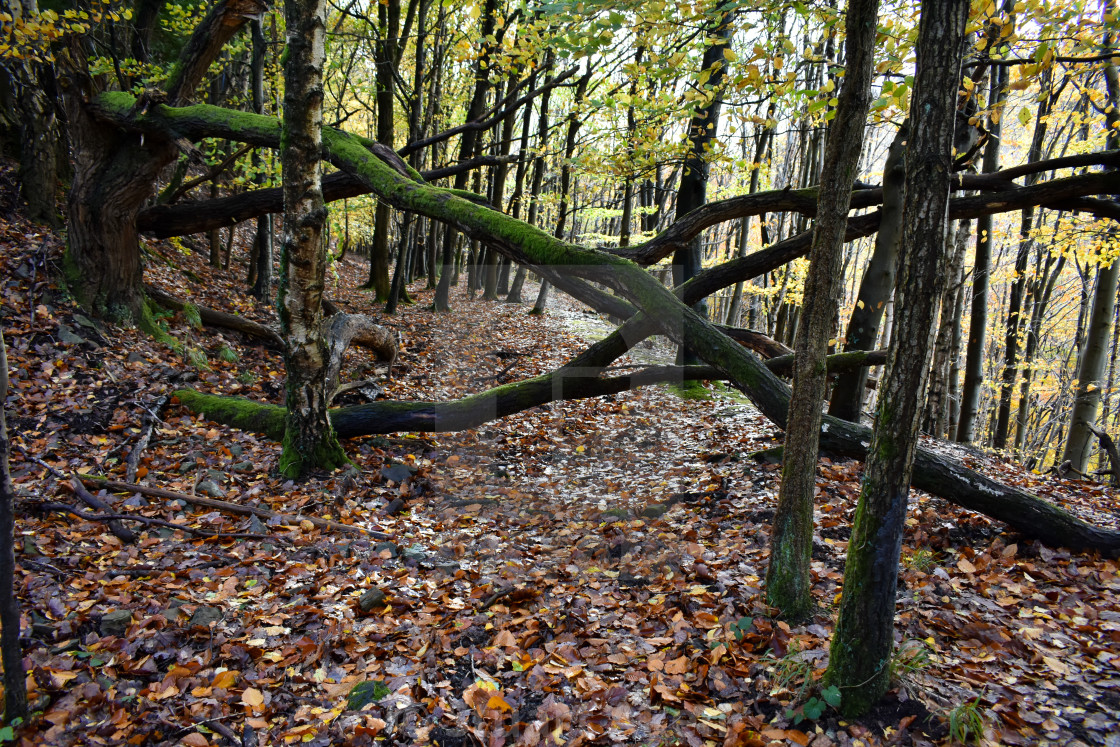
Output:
(297, 462)
(255, 417)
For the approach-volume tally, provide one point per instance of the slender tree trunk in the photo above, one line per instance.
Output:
(762, 153)
(978, 324)
(788, 579)
(574, 123)
(309, 439)
(262, 240)
(15, 686)
(692, 191)
(39, 130)
(863, 640)
(1015, 325)
(877, 285)
(941, 390)
(467, 145)
(1043, 287)
(388, 18)
(1090, 373)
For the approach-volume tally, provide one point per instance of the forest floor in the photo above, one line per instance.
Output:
(581, 573)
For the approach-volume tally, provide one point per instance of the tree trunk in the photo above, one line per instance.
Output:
(978, 324)
(941, 391)
(40, 133)
(262, 239)
(877, 285)
(114, 172)
(309, 439)
(702, 130)
(15, 686)
(863, 639)
(467, 146)
(1015, 324)
(788, 578)
(1091, 371)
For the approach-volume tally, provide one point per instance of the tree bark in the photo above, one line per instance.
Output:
(40, 132)
(114, 171)
(877, 284)
(693, 188)
(788, 577)
(309, 439)
(262, 239)
(978, 321)
(11, 654)
(1091, 371)
(861, 645)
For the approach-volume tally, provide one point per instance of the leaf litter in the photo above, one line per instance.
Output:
(581, 573)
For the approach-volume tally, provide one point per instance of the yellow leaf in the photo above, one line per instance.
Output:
(252, 697)
(225, 679)
(498, 703)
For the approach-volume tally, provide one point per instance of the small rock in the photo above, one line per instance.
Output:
(654, 510)
(256, 526)
(67, 336)
(447, 566)
(203, 616)
(236, 449)
(210, 488)
(370, 599)
(245, 466)
(389, 547)
(614, 513)
(415, 553)
(116, 622)
(135, 501)
(172, 612)
(394, 506)
(396, 472)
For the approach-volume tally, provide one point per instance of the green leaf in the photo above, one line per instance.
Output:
(831, 695)
(364, 693)
(1024, 116)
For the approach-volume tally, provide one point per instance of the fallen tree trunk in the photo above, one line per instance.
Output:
(164, 221)
(567, 383)
(215, 318)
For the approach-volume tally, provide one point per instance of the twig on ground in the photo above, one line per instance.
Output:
(133, 462)
(121, 532)
(114, 518)
(230, 507)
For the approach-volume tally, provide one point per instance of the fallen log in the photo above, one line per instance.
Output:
(215, 318)
(233, 508)
(381, 417)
